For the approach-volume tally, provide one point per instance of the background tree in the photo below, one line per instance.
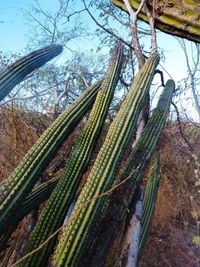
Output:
(192, 82)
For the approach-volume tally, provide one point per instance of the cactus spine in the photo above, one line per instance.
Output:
(23, 178)
(121, 199)
(143, 151)
(54, 213)
(32, 200)
(76, 232)
(16, 72)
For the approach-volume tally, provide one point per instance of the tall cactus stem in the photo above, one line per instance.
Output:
(76, 232)
(104, 234)
(54, 213)
(23, 178)
(150, 197)
(16, 72)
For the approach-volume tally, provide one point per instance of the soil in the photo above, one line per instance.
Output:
(170, 246)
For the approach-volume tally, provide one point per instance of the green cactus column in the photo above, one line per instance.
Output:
(143, 151)
(32, 200)
(105, 234)
(76, 233)
(16, 72)
(55, 211)
(150, 197)
(23, 178)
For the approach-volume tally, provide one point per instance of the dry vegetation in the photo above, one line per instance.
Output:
(177, 214)
(176, 220)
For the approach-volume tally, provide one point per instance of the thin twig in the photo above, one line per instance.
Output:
(166, 71)
(105, 29)
(180, 128)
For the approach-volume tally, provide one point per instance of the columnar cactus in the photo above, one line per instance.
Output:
(143, 151)
(103, 238)
(54, 213)
(37, 196)
(16, 72)
(76, 232)
(180, 18)
(150, 197)
(23, 178)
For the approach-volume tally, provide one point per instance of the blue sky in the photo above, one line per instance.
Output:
(14, 32)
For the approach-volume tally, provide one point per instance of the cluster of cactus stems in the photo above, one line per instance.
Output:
(54, 213)
(23, 178)
(150, 197)
(115, 209)
(15, 199)
(16, 72)
(76, 231)
(180, 18)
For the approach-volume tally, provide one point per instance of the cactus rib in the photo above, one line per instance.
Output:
(75, 233)
(143, 151)
(23, 178)
(136, 164)
(32, 200)
(150, 197)
(54, 213)
(16, 72)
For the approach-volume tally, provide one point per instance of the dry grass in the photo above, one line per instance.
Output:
(18, 132)
(177, 213)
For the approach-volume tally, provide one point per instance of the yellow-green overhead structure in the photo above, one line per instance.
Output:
(176, 17)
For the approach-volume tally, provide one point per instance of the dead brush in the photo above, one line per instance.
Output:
(178, 200)
(19, 131)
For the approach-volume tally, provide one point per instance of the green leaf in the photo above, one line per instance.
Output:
(196, 240)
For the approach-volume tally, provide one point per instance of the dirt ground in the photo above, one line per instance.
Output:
(170, 246)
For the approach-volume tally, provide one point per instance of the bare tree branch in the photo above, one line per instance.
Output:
(153, 31)
(136, 44)
(161, 77)
(192, 71)
(105, 29)
(180, 128)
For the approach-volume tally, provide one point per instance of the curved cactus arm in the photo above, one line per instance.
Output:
(149, 202)
(180, 18)
(103, 238)
(23, 178)
(16, 72)
(54, 212)
(76, 232)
